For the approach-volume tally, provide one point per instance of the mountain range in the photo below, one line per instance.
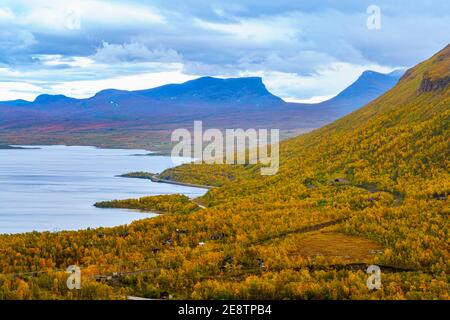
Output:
(145, 118)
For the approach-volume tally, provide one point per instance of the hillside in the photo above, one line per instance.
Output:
(358, 139)
(370, 188)
(146, 118)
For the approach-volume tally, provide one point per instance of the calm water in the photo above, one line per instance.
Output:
(54, 188)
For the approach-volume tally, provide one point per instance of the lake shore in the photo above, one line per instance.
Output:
(155, 178)
(62, 184)
(11, 147)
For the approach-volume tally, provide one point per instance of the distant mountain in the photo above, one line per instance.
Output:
(250, 91)
(204, 90)
(47, 99)
(235, 90)
(117, 116)
(369, 86)
(18, 103)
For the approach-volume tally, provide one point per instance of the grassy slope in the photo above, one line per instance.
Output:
(252, 228)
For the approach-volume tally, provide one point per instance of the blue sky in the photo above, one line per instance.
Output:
(303, 50)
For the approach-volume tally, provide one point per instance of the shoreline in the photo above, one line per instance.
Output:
(155, 178)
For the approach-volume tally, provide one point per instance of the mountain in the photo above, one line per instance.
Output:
(145, 118)
(369, 86)
(13, 103)
(204, 90)
(46, 100)
(223, 91)
(234, 91)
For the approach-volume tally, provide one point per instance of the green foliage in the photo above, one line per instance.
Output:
(174, 203)
(138, 175)
(210, 175)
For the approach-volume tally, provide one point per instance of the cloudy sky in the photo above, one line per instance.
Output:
(303, 50)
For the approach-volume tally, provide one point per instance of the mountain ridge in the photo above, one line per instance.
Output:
(253, 85)
(369, 85)
(145, 118)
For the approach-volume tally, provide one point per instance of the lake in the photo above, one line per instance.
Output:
(54, 188)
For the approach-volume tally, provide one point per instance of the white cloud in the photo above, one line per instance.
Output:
(264, 30)
(15, 39)
(53, 16)
(58, 60)
(313, 99)
(113, 53)
(6, 15)
(84, 77)
(18, 90)
(108, 12)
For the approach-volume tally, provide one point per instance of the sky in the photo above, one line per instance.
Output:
(306, 51)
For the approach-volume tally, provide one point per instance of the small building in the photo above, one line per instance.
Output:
(103, 278)
(218, 236)
(260, 263)
(438, 196)
(155, 250)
